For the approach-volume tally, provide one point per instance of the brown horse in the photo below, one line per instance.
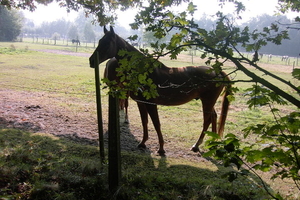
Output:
(175, 86)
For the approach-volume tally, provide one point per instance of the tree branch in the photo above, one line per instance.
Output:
(255, 77)
(269, 85)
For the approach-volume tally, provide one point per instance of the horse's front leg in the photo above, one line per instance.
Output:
(152, 110)
(144, 118)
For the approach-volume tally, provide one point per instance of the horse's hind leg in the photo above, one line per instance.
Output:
(209, 117)
(152, 110)
(214, 121)
(144, 118)
(126, 111)
(146, 109)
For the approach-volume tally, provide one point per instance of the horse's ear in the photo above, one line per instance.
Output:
(112, 30)
(105, 30)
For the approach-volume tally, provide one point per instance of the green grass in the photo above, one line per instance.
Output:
(42, 166)
(34, 70)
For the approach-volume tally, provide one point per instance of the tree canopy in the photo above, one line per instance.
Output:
(105, 10)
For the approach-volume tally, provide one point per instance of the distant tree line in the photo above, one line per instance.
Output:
(289, 47)
(10, 24)
(80, 29)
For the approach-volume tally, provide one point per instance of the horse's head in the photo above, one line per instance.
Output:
(107, 47)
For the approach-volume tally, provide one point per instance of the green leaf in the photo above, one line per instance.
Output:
(264, 168)
(231, 176)
(210, 153)
(191, 8)
(229, 147)
(220, 153)
(142, 78)
(236, 161)
(296, 73)
(244, 172)
(133, 37)
(254, 156)
(213, 135)
(230, 135)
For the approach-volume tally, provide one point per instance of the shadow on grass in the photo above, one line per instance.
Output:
(43, 166)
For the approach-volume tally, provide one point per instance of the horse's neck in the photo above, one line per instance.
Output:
(123, 45)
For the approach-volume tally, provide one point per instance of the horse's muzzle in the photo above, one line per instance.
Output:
(92, 61)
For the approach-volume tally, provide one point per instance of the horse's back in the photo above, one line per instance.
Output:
(183, 74)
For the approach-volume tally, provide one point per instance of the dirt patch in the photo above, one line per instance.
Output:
(63, 52)
(42, 112)
(39, 112)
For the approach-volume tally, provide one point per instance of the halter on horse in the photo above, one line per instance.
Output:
(195, 82)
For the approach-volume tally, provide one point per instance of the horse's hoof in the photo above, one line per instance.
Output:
(195, 149)
(161, 152)
(142, 146)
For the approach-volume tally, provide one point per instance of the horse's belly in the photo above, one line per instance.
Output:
(175, 97)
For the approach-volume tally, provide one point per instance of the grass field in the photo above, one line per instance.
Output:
(48, 166)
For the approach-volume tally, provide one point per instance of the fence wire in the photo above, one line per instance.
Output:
(67, 92)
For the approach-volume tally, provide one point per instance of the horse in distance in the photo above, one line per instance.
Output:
(74, 41)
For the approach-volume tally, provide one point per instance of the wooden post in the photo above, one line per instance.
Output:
(114, 151)
(77, 44)
(99, 110)
(294, 65)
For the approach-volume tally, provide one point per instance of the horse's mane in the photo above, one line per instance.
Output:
(125, 44)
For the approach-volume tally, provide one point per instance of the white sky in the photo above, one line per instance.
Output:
(254, 8)
(51, 12)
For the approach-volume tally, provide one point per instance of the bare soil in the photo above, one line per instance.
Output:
(42, 112)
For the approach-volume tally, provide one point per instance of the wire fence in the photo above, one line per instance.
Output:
(66, 91)
(61, 42)
(263, 58)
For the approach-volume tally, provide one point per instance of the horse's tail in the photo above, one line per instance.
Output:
(225, 106)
